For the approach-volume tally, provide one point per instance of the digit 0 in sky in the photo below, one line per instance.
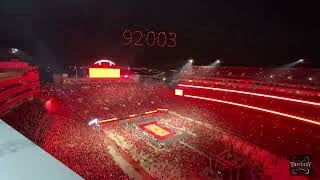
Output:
(151, 38)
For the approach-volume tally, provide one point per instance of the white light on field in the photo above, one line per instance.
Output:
(94, 121)
(178, 92)
(190, 60)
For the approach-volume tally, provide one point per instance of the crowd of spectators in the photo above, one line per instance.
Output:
(26, 119)
(279, 135)
(190, 156)
(295, 81)
(174, 162)
(296, 76)
(80, 148)
(66, 135)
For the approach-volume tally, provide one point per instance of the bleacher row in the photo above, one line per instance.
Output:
(304, 77)
(258, 79)
(18, 83)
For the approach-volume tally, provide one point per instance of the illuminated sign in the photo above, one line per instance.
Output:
(104, 73)
(178, 92)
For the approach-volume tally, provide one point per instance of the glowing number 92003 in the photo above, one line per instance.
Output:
(172, 39)
(139, 35)
(163, 34)
(149, 38)
(127, 35)
(151, 35)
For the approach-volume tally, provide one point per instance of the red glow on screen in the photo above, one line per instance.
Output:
(256, 108)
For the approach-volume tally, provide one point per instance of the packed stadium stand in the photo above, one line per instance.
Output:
(192, 139)
(292, 81)
(18, 82)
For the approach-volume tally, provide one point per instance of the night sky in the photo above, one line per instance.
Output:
(242, 33)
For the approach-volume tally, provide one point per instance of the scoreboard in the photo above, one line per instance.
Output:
(104, 69)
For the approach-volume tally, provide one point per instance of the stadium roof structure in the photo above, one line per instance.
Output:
(105, 61)
(22, 159)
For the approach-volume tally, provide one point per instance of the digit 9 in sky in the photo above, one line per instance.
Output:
(149, 38)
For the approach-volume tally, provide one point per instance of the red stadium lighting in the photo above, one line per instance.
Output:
(250, 93)
(150, 112)
(126, 76)
(96, 121)
(256, 108)
(162, 109)
(108, 120)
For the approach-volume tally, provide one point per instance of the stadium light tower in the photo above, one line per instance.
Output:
(292, 64)
(13, 50)
(215, 63)
(187, 66)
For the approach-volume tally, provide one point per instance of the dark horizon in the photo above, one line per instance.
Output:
(240, 33)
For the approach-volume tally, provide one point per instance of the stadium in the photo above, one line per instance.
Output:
(190, 90)
(226, 123)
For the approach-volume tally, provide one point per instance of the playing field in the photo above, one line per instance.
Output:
(157, 131)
